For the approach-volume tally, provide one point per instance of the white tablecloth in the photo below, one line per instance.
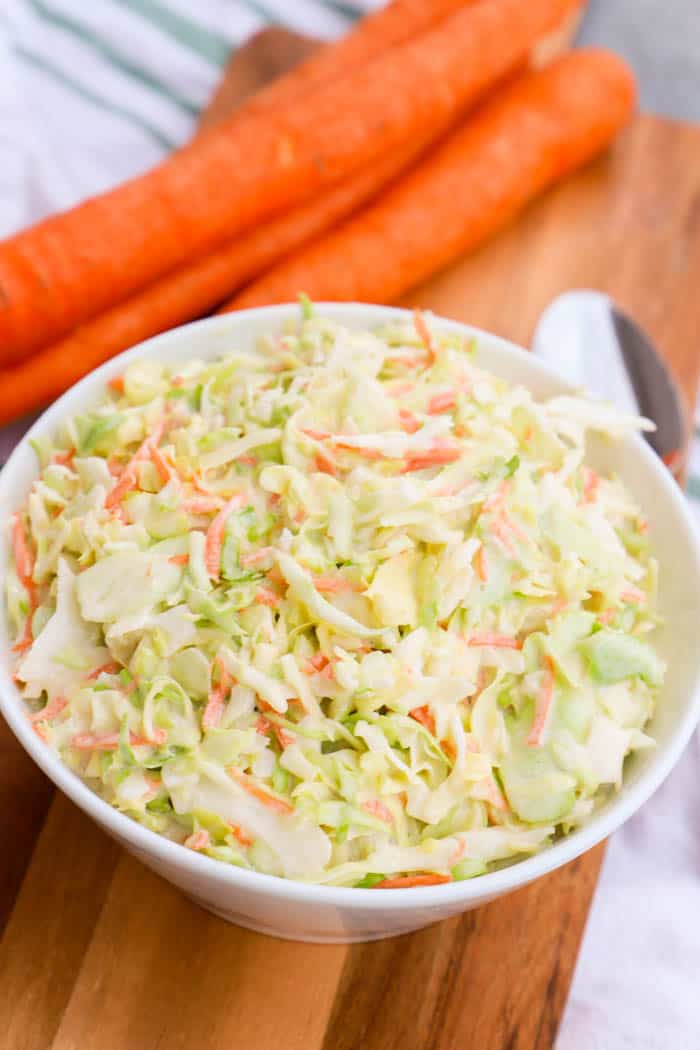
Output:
(93, 93)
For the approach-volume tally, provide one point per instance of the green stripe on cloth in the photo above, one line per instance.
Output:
(82, 33)
(186, 31)
(692, 488)
(347, 10)
(41, 63)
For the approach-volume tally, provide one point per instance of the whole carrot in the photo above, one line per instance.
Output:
(543, 126)
(372, 36)
(185, 294)
(76, 265)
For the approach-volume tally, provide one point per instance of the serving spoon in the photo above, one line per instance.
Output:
(588, 340)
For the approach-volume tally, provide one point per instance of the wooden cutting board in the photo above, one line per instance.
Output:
(97, 952)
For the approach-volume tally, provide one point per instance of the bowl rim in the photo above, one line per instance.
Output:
(173, 855)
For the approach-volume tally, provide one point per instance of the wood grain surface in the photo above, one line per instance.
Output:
(97, 952)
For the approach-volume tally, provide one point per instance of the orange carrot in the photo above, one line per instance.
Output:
(482, 565)
(333, 584)
(75, 265)
(265, 596)
(129, 476)
(284, 738)
(408, 421)
(495, 641)
(185, 294)
(108, 668)
(375, 808)
(404, 882)
(425, 717)
(240, 835)
(394, 24)
(110, 741)
(256, 557)
(254, 789)
(179, 559)
(217, 697)
(444, 402)
(425, 335)
(198, 840)
(531, 134)
(215, 537)
(544, 702)
(50, 710)
(434, 457)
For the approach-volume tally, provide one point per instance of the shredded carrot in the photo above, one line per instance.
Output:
(633, 594)
(129, 476)
(247, 461)
(502, 534)
(434, 457)
(164, 471)
(108, 668)
(424, 716)
(217, 698)
(255, 557)
(591, 481)
(333, 584)
(198, 840)
(513, 527)
(496, 641)
(493, 794)
(317, 663)
(262, 726)
(405, 882)
(215, 537)
(365, 453)
(482, 565)
(316, 435)
(116, 384)
(179, 559)
(324, 465)
(449, 749)
(408, 421)
(24, 559)
(265, 596)
(399, 389)
(544, 703)
(375, 808)
(444, 402)
(457, 853)
(284, 738)
(64, 459)
(606, 615)
(275, 576)
(425, 335)
(53, 708)
(240, 835)
(249, 785)
(496, 498)
(110, 741)
(206, 505)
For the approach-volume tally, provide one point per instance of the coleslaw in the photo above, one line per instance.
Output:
(347, 608)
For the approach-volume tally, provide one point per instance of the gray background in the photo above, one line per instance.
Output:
(661, 40)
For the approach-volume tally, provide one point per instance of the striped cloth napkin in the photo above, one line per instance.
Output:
(93, 93)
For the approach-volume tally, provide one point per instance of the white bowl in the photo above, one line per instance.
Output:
(319, 913)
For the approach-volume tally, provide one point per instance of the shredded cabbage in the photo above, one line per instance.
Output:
(349, 610)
